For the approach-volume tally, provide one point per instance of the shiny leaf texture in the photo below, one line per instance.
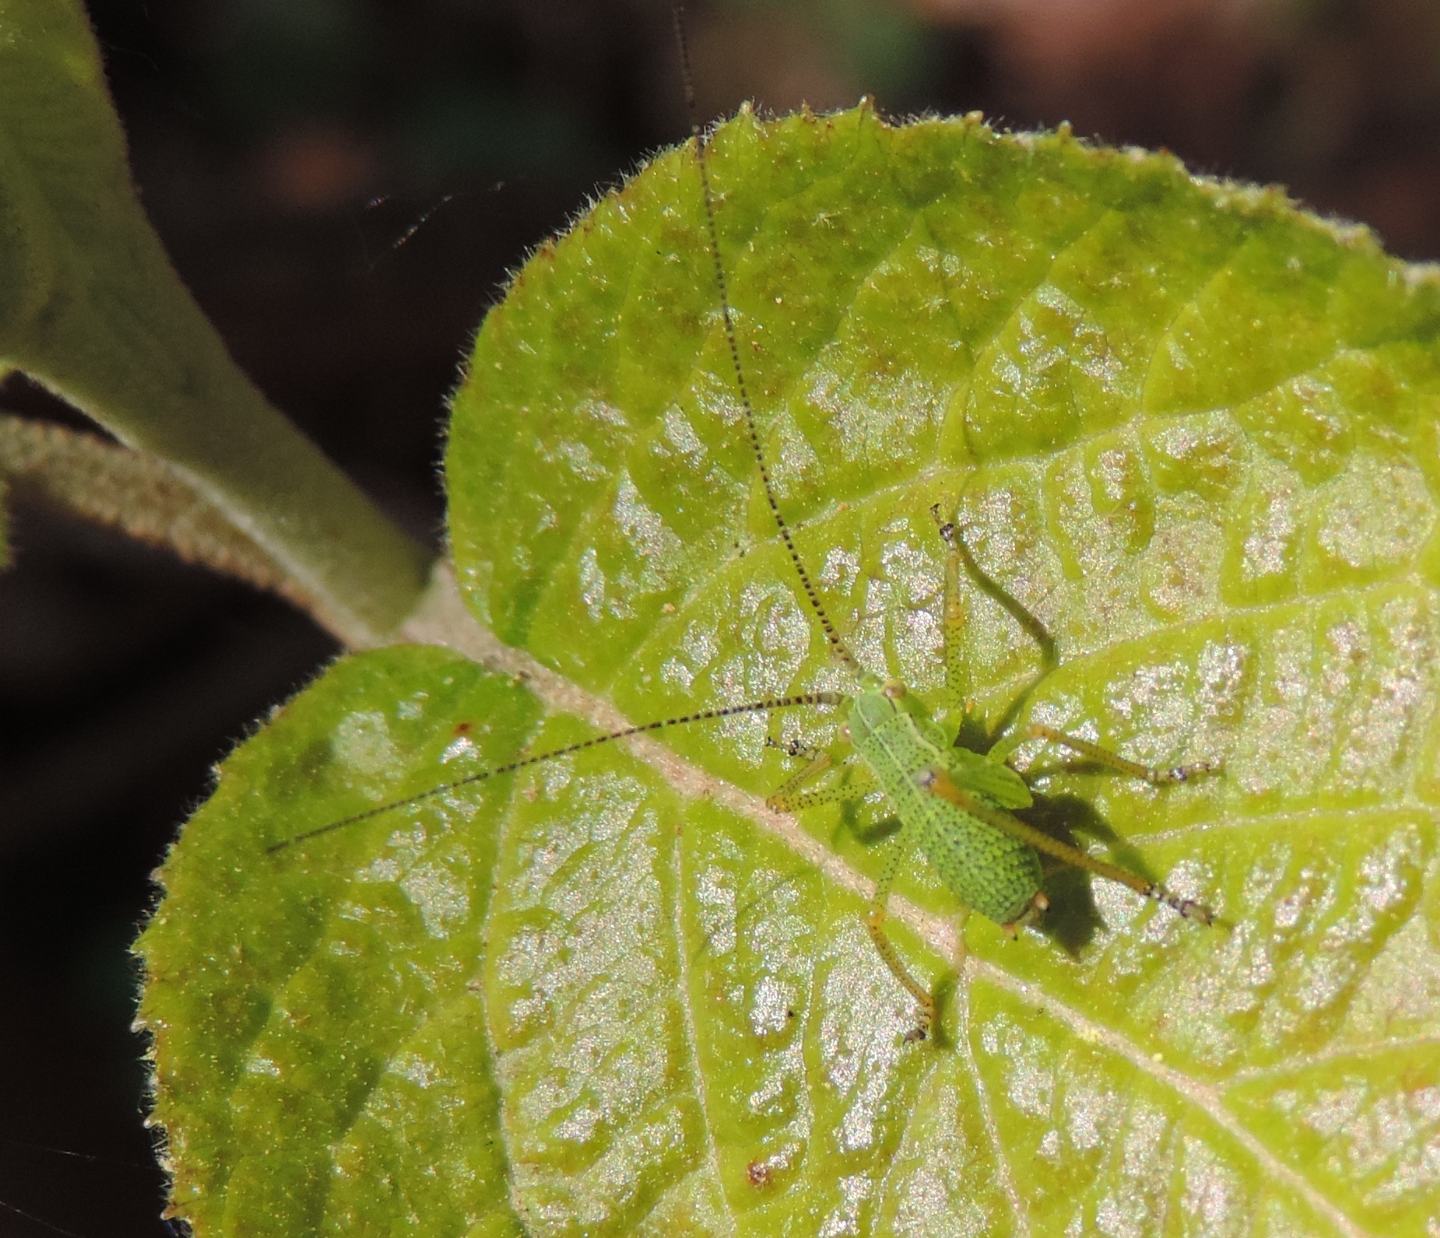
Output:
(1186, 427)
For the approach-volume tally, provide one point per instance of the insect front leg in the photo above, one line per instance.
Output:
(794, 748)
(852, 781)
(972, 732)
(953, 621)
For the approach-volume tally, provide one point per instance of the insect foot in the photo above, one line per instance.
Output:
(875, 923)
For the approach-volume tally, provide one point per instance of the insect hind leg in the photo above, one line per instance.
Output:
(1034, 909)
(938, 782)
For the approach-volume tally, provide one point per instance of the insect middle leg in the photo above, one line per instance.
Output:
(875, 924)
(791, 796)
(1153, 774)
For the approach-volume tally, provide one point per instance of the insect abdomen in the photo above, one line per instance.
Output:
(988, 871)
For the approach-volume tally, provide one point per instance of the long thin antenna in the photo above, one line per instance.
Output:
(837, 645)
(727, 711)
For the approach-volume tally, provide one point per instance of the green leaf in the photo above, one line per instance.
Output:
(1187, 427)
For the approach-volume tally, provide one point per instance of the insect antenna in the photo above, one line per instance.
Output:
(510, 767)
(832, 635)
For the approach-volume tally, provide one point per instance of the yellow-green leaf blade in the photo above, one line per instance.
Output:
(1190, 429)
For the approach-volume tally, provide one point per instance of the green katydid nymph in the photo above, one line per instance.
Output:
(955, 805)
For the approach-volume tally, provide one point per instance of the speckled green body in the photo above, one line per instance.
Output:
(988, 871)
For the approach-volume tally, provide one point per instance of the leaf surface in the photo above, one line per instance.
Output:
(1188, 428)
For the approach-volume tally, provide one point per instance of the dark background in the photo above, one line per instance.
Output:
(343, 184)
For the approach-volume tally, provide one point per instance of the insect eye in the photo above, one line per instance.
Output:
(893, 690)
